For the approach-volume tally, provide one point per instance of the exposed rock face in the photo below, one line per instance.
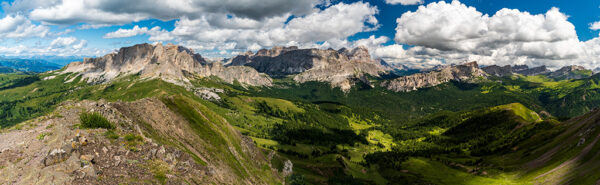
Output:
(465, 72)
(55, 156)
(340, 68)
(525, 70)
(170, 62)
(508, 70)
(495, 70)
(570, 72)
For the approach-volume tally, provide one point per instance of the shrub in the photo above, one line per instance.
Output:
(132, 141)
(132, 137)
(111, 134)
(94, 120)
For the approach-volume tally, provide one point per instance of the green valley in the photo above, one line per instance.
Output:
(513, 129)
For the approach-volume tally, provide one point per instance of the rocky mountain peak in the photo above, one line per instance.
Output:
(169, 62)
(360, 53)
(275, 51)
(466, 72)
(508, 70)
(570, 72)
(572, 68)
(340, 68)
(248, 53)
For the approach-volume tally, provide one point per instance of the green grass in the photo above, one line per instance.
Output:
(437, 122)
(43, 135)
(437, 173)
(94, 120)
(110, 134)
(521, 111)
(159, 170)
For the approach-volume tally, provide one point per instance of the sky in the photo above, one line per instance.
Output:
(416, 33)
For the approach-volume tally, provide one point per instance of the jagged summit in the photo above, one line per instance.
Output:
(566, 72)
(340, 67)
(571, 72)
(168, 62)
(465, 72)
(508, 70)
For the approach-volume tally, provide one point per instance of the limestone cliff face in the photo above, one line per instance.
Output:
(508, 70)
(168, 62)
(341, 68)
(525, 70)
(564, 73)
(495, 70)
(570, 72)
(465, 72)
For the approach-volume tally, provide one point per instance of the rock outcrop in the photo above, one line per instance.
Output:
(467, 72)
(169, 62)
(341, 68)
(508, 70)
(525, 70)
(150, 139)
(495, 70)
(570, 72)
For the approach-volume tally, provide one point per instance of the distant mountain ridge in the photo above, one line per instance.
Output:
(28, 65)
(465, 72)
(169, 62)
(508, 70)
(341, 68)
(338, 67)
(564, 73)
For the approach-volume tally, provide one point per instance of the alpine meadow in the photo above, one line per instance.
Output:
(300, 92)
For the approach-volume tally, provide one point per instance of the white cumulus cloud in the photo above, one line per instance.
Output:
(122, 33)
(453, 32)
(68, 42)
(156, 33)
(595, 25)
(18, 26)
(61, 46)
(97, 12)
(330, 26)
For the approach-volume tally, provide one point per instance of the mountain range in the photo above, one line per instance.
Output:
(26, 65)
(162, 114)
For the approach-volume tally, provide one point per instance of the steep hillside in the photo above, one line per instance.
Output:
(194, 145)
(511, 145)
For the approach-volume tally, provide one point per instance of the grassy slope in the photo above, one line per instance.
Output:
(38, 97)
(384, 119)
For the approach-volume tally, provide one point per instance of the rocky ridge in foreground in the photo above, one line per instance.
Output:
(143, 148)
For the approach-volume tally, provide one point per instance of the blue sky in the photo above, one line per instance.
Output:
(581, 12)
(468, 30)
